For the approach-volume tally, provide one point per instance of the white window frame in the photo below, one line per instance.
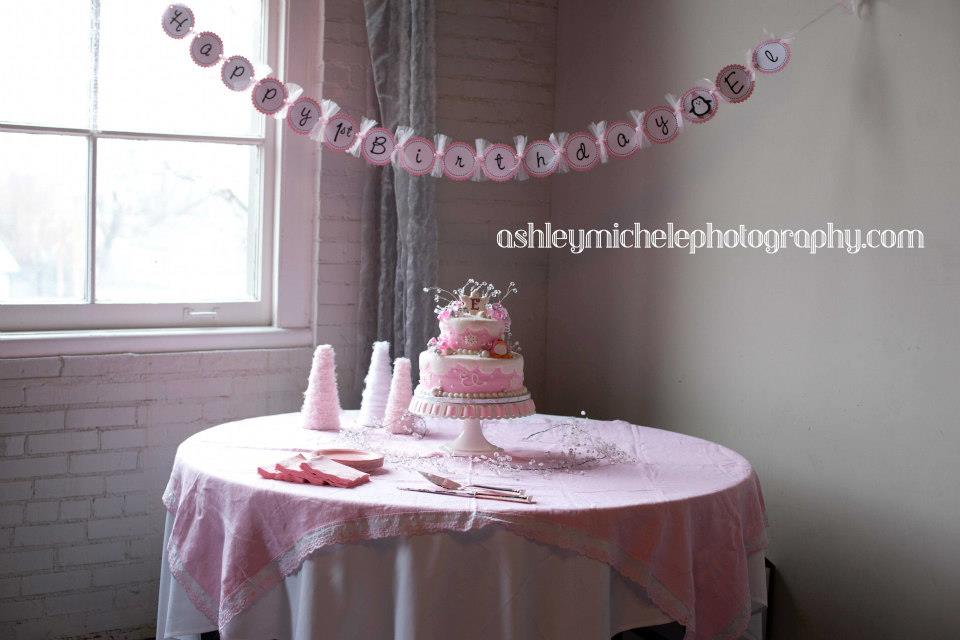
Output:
(289, 180)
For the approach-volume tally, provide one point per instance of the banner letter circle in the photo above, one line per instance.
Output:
(660, 125)
(378, 146)
(418, 156)
(582, 152)
(269, 95)
(500, 162)
(540, 159)
(237, 73)
(339, 132)
(699, 105)
(303, 116)
(459, 161)
(206, 49)
(771, 56)
(622, 139)
(735, 83)
(177, 21)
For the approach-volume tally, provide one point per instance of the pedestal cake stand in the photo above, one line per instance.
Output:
(471, 441)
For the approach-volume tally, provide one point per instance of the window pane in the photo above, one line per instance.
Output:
(46, 75)
(147, 81)
(43, 218)
(177, 221)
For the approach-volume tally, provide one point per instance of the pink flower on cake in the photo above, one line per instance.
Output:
(452, 310)
(499, 312)
(441, 346)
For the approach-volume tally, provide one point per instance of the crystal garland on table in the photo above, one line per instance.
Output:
(578, 449)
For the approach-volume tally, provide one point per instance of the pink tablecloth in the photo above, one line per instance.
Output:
(680, 519)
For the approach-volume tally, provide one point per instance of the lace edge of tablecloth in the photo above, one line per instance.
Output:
(426, 523)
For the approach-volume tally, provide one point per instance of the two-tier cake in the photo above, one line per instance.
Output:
(472, 370)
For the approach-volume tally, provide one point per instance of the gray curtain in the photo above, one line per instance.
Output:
(398, 255)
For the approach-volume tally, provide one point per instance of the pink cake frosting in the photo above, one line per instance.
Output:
(470, 374)
(471, 333)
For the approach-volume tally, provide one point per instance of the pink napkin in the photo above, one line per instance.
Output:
(316, 470)
(326, 470)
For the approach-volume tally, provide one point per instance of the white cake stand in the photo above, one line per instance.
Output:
(471, 441)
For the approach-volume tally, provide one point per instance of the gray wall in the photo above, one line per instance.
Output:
(836, 375)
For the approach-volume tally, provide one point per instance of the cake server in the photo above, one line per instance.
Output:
(472, 494)
(453, 485)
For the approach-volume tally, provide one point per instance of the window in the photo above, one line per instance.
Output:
(135, 189)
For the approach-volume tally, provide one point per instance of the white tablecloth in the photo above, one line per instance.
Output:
(481, 585)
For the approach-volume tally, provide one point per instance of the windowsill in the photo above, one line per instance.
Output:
(67, 343)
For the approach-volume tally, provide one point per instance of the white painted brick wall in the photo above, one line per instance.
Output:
(344, 77)
(84, 458)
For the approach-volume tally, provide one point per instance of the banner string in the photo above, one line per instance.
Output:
(478, 160)
(824, 14)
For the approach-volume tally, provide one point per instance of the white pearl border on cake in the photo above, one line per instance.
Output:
(438, 392)
(446, 399)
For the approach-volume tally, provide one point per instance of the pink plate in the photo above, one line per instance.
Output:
(365, 461)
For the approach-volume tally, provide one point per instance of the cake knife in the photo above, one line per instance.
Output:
(471, 494)
(453, 485)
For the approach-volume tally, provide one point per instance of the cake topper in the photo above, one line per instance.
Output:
(481, 299)
(474, 305)
(474, 299)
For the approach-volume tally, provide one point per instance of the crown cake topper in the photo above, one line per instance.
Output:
(476, 299)
(473, 298)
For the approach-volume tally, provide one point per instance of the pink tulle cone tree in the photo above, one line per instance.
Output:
(376, 387)
(401, 393)
(321, 402)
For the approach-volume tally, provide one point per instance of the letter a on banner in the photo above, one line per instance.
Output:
(206, 49)
(622, 139)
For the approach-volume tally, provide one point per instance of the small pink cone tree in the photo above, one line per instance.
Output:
(401, 393)
(376, 387)
(321, 402)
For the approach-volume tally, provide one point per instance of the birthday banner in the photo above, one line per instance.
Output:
(439, 156)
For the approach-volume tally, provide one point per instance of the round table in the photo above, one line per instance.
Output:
(674, 530)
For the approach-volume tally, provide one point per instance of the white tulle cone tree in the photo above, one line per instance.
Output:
(376, 386)
(401, 392)
(321, 401)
